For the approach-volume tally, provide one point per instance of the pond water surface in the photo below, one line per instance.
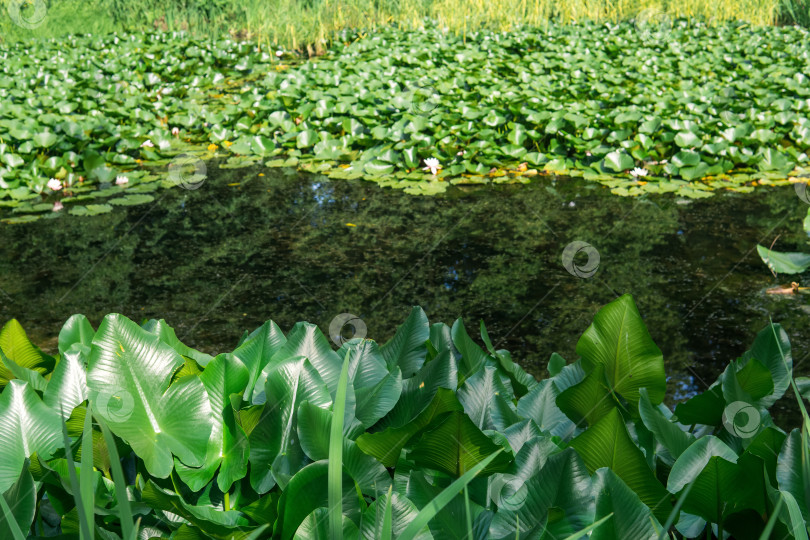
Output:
(288, 246)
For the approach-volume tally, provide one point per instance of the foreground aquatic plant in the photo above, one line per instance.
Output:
(426, 436)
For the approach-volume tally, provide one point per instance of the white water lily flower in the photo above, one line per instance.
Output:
(637, 171)
(57, 206)
(279, 53)
(121, 180)
(54, 184)
(175, 131)
(148, 144)
(432, 165)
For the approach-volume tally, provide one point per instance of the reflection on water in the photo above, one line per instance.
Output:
(222, 259)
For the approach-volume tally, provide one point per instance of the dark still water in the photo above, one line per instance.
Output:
(222, 259)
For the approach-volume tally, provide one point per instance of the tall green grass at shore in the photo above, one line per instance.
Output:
(313, 24)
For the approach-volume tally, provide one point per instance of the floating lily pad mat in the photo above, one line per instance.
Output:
(686, 108)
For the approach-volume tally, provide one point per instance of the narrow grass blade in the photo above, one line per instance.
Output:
(766, 532)
(128, 531)
(86, 476)
(589, 528)
(335, 473)
(85, 528)
(388, 525)
(12, 521)
(442, 499)
(675, 510)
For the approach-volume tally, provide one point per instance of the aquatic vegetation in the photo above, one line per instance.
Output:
(699, 108)
(429, 435)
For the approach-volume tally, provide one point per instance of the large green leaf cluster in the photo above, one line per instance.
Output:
(238, 445)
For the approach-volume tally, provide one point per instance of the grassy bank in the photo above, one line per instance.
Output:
(312, 24)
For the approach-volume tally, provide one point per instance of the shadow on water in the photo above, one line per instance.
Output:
(222, 259)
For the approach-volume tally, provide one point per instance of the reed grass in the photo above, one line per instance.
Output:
(312, 25)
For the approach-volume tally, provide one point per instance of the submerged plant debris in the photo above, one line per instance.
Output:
(687, 108)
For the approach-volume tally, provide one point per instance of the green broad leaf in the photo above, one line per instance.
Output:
(27, 427)
(168, 336)
(387, 445)
(307, 491)
(305, 339)
(705, 408)
(21, 501)
(666, 432)
(540, 404)
(784, 263)
(274, 455)
(16, 346)
(215, 523)
(76, 330)
(554, 499)
(487, 400)
(618, 161)
(792, 471)
(307, 138)
(723, 483)
(755, 379)
(314, 425)
(398, 510)
(128, 376)
(228, 447)
(631, 517)
(416, 526)
(608, 444)
(588, 401)
(33, 378)
(256, 351)
(555, 364)
(407, 348)
(687, 139)
(472, 356)
(67, 388)
(619, 340)
(455, 446)
(419, 390)
(771, 349)
(46, 139)
(316, 527)
(376, 390)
